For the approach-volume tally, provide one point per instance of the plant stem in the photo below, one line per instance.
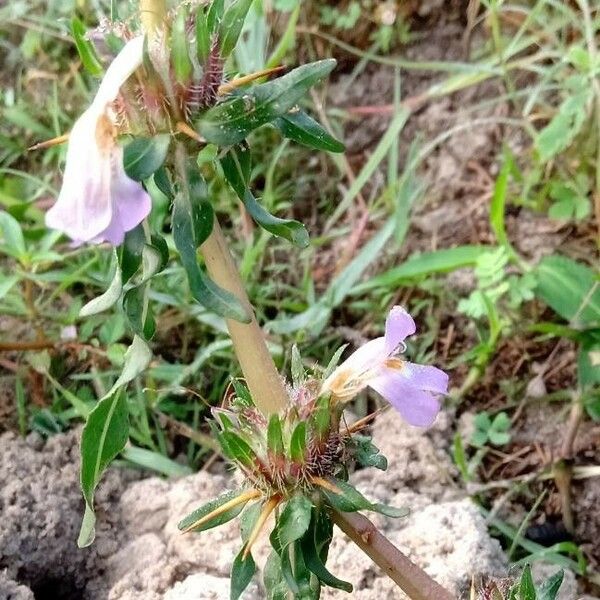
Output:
(409, 577)
(152, 14)
(263, 380)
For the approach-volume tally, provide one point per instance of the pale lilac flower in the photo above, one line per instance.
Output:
(98, 201)
(412, 389)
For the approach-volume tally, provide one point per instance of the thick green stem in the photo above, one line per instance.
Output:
(152, 14)
(263, 380)
(409, 577)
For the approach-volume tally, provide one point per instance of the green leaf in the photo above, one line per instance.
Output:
(273, 579)
(236, 164)
(189, 226)
(570, 288)
(550, 588)
(130, 253)
(298, 443)
(242, 572)
(501, 422)
(349, 499)
(140, 317)
(275, 435)
(367, 454)
(313, 560)
(293, 522)
(231, 25)
(14, 242)
(428, 263)
(526, 587)
(560, 133)
(498, 438)
(154, 461)
(498, 206)
(137, 358)
(106, 300)
(300, 127)
(104, 436)
(144, 156)
(210, 507)
(231, 121)
(163, 183)
(87, 53)
(249, 519)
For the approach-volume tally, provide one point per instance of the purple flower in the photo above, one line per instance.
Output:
(98, 201)
(412, 389)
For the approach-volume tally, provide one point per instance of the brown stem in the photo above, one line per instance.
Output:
(409, 577)
(263, 380)
(22, 346)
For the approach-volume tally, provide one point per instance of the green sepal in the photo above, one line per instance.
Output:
(321, 417)
(209, 507)
(237, 449)
(242, 572)
(85, 48)
(351, 500)
(299, 127)
(298, 443)
(242, 392)
(275, 435)
(214, 15)
(231, 25)
(236, 166)
(297, 368)
(180, 57)
(231, 121)
(202, 36)
(144, 156)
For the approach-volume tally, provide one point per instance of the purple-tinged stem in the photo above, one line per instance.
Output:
(409, 577)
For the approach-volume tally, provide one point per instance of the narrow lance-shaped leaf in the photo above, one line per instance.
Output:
(216, 512)
(108, 299)
(313, 560)
(231, 121)
(85, 48)
(242, 572)
(232, 24)
(300, 127)
(344, 497)
(187, 223)
(104, 436)
(235, 163)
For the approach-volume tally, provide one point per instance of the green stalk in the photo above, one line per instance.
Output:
(262, 378)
